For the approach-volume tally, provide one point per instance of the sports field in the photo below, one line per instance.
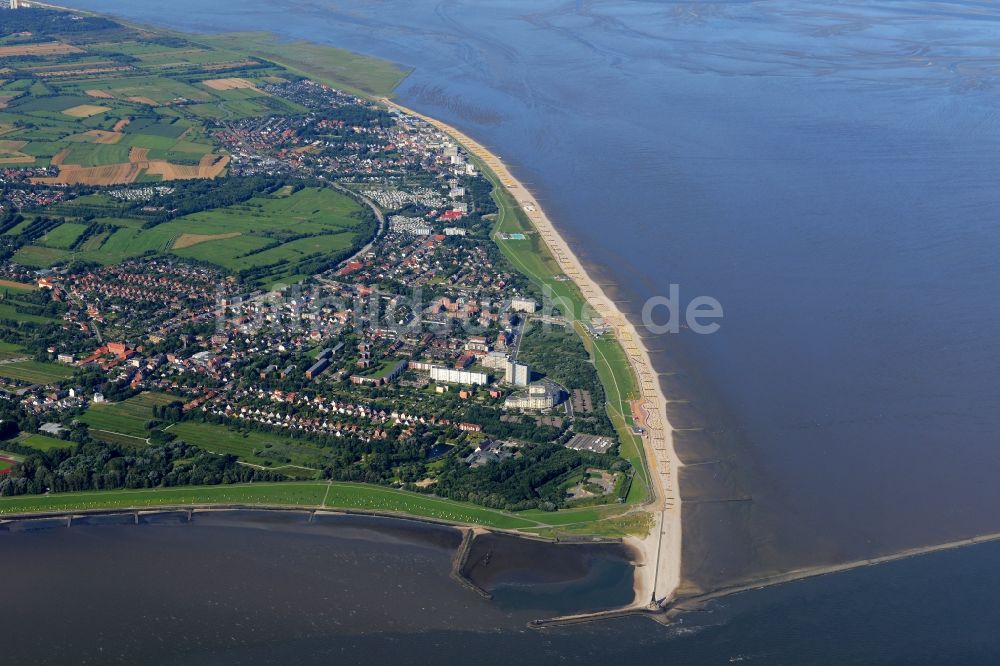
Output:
(42, 442)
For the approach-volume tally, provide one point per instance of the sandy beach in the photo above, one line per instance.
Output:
(659, 575)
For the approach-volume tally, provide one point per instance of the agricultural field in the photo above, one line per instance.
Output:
(8, 311)
(118, 87)
(81, 103)
(35, 372)
(128, 418)
(13, 287)
(85, 110)
(280, 230)
(117, 107)
(10, 153)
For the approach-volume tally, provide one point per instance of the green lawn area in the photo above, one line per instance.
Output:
(18, 228)
(64, 235)
(39, 257)
(377, 498)
(35, 372)
(293, 251)
(260, 223)
(290, 494)
(118, 438)
(42, 442)
(249, 446)
(125, 418)
(638, 523)
(9, 350)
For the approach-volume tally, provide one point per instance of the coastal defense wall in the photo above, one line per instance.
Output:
(459, 562)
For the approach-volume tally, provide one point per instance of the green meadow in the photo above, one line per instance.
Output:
(263, 231)
(64, 235)
(295, 457)
(9, 350)
(128, 417)
(42, 442)
(358, 74)
(35, 372)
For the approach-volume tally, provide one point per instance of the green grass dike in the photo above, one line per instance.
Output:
(358, 74)
(604, 521)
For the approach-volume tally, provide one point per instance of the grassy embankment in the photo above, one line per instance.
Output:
(354, 73)
(310, 494)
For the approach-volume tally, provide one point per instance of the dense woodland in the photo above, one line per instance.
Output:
(93, 465)
(49, 22)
